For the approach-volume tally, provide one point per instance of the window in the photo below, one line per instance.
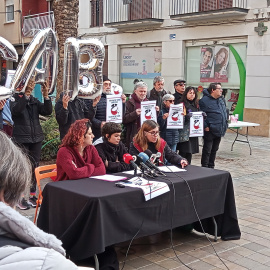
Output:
(96, 13)
(9, 11)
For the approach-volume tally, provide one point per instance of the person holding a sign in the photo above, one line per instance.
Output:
(148, 138)
(111, 150)
(215, 124)
(171, 136)
(189, 145)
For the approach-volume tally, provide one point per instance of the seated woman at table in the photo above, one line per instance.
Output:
(148, 138)
(77, 158)
(111, 150)
(22, 244)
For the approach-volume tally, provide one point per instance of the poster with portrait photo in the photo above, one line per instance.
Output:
(219, 72)
(207, 60)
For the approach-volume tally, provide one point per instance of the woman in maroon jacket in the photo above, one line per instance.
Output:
(78, 158)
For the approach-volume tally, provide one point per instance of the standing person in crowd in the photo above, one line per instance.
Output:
(2, 104)
(77, 158)
(67, 112)
(215, 124)
(179, 87)
(23, 245)
(191, 103)
(132, 119)
(100, 117)
(7, 119)
(171, 136)
(148, 138)
(111, 150)
(158, 91)
(27, 130)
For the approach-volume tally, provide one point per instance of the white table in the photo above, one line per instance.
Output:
(237, 126)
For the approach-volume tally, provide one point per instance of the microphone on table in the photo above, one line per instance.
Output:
(149, 156)
(146, 170)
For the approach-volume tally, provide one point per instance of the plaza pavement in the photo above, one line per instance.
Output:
(251, 177)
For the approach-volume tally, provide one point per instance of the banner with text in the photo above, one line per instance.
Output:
(196, 125)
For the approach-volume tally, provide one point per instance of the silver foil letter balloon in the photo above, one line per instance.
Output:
(7, 50)
(83, 62)
(44, 47)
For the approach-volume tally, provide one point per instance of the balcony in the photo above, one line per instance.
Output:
(129, 16)
(33, 23)
(195, 10)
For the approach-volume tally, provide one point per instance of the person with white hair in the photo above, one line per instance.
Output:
(22, 245)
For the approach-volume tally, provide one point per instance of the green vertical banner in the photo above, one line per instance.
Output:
(242, 75)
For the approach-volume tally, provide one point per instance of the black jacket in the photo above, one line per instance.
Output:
(155, 95)
(1, 120)
(76, 110)
(177, 98)
(25, 114)
(111, 153)
(217, 114)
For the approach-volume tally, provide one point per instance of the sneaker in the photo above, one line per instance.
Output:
(23, 205)
(32, 201)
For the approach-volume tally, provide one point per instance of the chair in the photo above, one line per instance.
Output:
(42, 172)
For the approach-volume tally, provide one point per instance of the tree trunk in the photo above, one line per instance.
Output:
(66, 25)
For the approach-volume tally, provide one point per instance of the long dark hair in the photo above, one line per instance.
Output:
(184, 96)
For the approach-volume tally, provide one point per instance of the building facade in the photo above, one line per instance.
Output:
(173, 38)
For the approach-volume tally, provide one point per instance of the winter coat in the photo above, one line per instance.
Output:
(1, 119)
(100, 115)
(72, 166)
(76, 110)
(177, 98)
(130, 121)
(43, 250)
(165, 150)
(217, 114)
(25, 114)
(111, 153)
(155, 95)
(171, 136)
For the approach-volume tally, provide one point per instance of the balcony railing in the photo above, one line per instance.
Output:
(117, 12)
(178, 7)
(33, 23)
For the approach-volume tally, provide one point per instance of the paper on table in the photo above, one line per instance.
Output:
(171, 169)
(132, 172)
(109, 177)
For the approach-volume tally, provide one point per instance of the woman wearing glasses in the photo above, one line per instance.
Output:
(171, 136)
(78, 158)
(148, 138)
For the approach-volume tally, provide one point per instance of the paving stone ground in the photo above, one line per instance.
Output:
(251, 178)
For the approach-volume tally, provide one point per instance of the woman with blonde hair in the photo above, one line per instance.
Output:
(148, 138)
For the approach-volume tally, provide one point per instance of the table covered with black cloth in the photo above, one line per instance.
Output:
(90, 214)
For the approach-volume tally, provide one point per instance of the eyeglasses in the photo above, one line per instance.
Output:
(153, 133)
(171, 101)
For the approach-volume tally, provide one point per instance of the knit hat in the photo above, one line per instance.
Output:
(105, 78)
(178, 81)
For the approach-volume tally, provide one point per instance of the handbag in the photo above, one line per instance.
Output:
(184, 134)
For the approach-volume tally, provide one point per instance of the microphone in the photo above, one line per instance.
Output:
(129, 160)
(151, 165)
(139, 160)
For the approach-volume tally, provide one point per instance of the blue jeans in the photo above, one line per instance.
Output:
(173, 147)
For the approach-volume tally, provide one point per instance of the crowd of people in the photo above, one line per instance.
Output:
(91, 146)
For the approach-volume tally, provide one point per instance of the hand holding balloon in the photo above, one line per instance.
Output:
(45, 90)
(96, 101)
(65, 100)
(30, 86)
